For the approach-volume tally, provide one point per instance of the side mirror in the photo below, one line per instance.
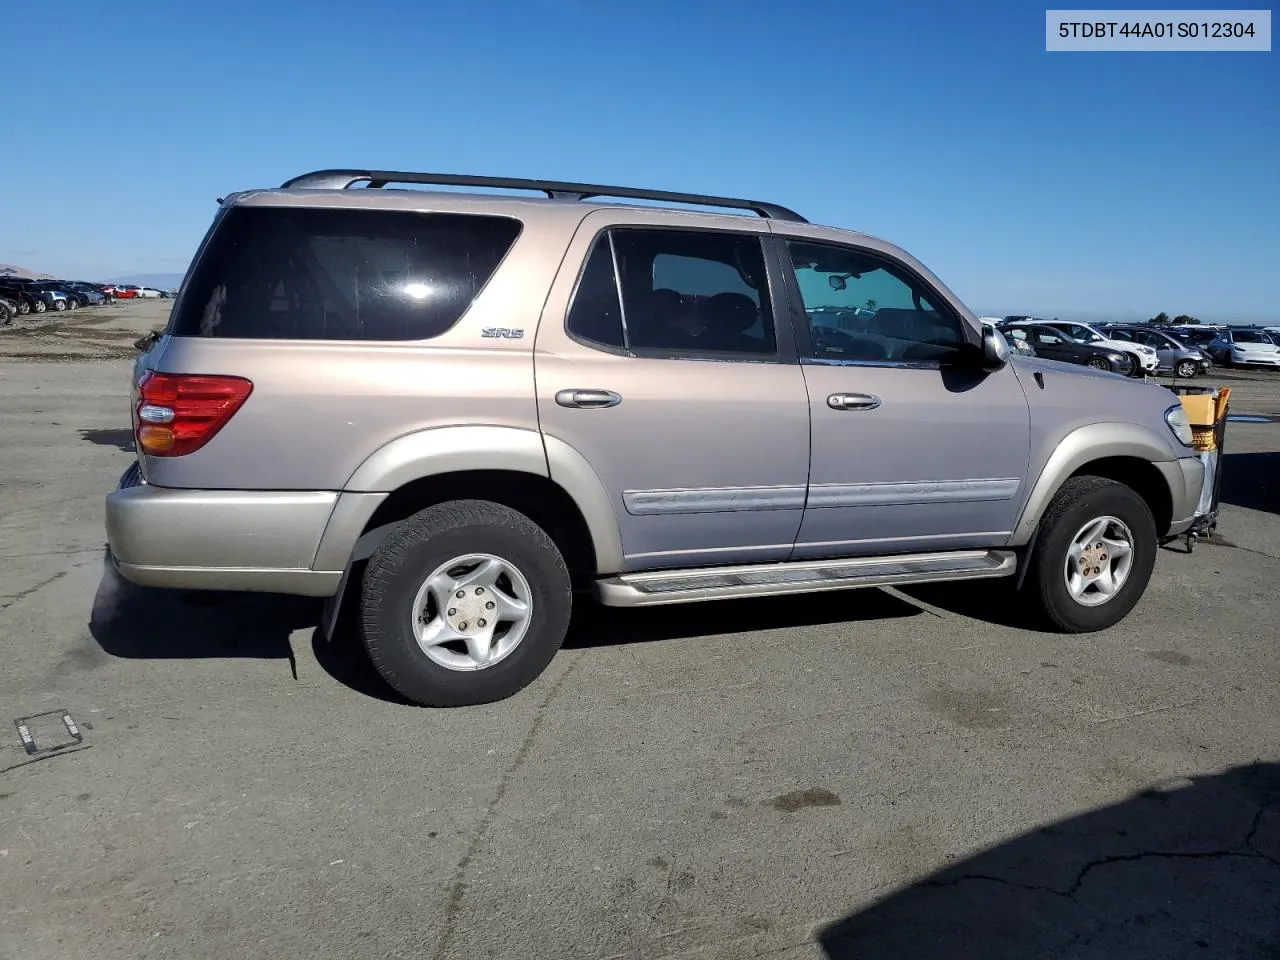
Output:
(995, 349)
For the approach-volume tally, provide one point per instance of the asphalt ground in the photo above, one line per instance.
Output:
(869, 774)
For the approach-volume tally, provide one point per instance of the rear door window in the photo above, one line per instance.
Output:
(298, 273)
(676, 293)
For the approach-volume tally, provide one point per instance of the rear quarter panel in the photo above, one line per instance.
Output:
(319, 408)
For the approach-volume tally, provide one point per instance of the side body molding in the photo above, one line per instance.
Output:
(1093, 441)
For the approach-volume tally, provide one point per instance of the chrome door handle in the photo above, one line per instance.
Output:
(852, 401)
(588, 399)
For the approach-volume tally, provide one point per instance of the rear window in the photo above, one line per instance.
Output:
(287, 273)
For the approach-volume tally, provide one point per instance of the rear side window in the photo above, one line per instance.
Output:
(684, 293)
(288, 273)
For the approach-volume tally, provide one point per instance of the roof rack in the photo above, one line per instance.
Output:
(556, 190)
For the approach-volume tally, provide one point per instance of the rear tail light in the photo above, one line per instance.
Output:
(175, 413)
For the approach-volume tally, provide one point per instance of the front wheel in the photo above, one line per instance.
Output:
(1100, 363)
(1186, 369)
(1093, 556)
(464, 603)
(39, 306)
(59, 305)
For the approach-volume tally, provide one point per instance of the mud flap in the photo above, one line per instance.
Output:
(333, 606)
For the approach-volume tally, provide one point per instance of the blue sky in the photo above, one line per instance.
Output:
(1081, 184)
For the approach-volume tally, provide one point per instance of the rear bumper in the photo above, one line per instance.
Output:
(263, 541)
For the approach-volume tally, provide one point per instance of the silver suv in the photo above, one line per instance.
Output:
(458, 410)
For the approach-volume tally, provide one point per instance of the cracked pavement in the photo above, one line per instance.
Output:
(877, 774)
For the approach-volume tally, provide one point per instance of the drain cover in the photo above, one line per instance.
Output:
(47, 732)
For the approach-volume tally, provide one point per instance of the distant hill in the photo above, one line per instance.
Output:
(8, 270)
(161, 281)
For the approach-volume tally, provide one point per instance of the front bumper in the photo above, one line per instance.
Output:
(1185, 478)
(263, 541)
(1255, 360)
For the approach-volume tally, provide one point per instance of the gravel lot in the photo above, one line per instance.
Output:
(869, 774)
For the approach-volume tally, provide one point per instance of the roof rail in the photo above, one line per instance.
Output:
(556, 190)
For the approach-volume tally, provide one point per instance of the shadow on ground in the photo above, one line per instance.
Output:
(137, 622)
(596, 626)
(120, 439)
(1187, 870)
(1251, 480)
(991, 601)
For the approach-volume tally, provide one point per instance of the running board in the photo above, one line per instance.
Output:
(769, 579)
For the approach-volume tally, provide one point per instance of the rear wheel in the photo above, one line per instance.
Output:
(1186, 369)
(1093, 556)
(465, 602)
(39, 306)
(59, 305)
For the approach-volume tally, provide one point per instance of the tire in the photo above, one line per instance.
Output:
(39, 306)
(1099, 363)
(59, 305)
(1186, 369)
(1083, 501)
(395, 598)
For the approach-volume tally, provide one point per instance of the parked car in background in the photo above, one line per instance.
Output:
(26, 300)
(87, 294)
(1052, 344)
(63, 297)
(1146, 357)
(1245, 347)
(1197, 336)
(50, 293)
(1174, 356)
(125, 292)
(151, 292)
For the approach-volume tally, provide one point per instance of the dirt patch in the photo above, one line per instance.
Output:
(91, 333)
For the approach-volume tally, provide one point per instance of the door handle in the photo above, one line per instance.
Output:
(588, 399)
(852, 401)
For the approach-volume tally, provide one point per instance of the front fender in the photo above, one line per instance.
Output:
(1094, 441)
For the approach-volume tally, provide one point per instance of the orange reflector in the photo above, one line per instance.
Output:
(155, 439)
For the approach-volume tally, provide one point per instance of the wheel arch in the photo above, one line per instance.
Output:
(550, 482)
(1125, 452)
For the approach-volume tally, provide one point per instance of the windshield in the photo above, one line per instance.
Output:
(1251, 336)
